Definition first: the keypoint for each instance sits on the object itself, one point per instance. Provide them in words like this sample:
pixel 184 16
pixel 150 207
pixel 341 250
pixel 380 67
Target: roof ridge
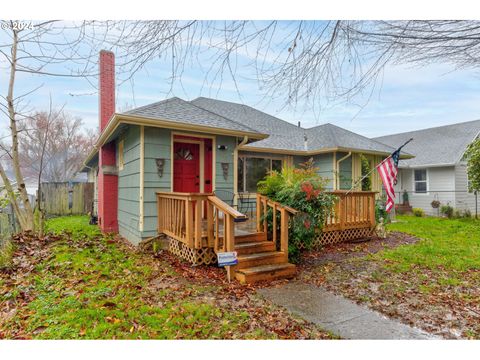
pixel 250 107
pixel 430 128
pixel 330 125
pixel 228 119
pixel 154 103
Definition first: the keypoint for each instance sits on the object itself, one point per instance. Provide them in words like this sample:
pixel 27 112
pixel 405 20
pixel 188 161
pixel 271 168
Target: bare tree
pixel 40 49
pixel 299 61
pixel 53 145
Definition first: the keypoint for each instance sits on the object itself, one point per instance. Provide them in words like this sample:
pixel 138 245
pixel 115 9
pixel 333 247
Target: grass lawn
pixel 450 244
pixel 79 284
pixel 433 284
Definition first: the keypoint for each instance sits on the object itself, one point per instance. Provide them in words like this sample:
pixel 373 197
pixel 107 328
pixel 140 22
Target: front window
pixel 253 169
pixel 420 180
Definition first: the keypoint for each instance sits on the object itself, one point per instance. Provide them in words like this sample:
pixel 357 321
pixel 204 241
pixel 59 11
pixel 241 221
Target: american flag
pixel 388 170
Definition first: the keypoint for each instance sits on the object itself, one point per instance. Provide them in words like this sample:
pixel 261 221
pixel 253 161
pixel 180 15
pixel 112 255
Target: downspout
pixel 235 169
pixel 337 177
pixel 243 142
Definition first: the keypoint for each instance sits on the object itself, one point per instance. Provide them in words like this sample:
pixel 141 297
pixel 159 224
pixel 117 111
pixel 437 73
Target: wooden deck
pixel 202 225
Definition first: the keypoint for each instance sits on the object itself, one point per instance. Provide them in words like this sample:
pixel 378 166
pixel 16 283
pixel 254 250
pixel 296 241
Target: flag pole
pixel 375 167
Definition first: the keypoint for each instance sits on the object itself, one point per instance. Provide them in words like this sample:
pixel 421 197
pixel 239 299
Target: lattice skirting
pixel 203 256
pixel 337 236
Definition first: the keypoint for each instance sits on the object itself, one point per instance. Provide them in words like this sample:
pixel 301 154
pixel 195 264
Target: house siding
pixel 157 142
pixel 464 200
pixel 157 145
pixel 129 186
pixel 344 171
pixel 224 157
pixel 324 163
pixel 440 186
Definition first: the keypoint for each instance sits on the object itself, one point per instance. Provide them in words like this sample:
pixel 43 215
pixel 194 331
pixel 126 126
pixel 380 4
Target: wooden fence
pixel 8 224
pixel 67 198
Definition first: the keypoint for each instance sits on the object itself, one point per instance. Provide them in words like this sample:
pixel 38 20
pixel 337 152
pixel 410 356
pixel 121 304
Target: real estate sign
pixel 227 258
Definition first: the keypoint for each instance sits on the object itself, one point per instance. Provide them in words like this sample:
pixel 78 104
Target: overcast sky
pixel 406 99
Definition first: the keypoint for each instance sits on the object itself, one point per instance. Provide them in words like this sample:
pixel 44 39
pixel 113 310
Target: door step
pixel 265 272
pixel 254 247
pixel 258 259
pixel 240 239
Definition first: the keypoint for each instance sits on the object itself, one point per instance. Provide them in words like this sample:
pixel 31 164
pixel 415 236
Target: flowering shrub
pixel 302 189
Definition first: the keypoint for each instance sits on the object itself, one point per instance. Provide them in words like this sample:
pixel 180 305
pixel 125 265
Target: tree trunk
pixel 25 213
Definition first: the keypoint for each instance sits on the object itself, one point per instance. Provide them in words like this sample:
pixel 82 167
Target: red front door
pixel 186 167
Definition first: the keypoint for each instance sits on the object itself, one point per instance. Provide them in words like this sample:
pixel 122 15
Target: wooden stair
pixel 258 260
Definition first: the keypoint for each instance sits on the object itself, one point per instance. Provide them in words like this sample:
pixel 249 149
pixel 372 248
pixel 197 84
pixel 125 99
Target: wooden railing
pixel 352 211
pixel 197 219
pixel 262 207
pixel 219 212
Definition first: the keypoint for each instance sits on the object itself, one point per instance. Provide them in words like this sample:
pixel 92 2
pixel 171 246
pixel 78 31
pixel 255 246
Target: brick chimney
pixel 107 172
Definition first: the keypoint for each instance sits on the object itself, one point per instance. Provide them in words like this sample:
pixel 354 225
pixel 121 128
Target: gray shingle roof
pixel 331 136
pixel 286 136
pixel 444 145
pixel 178 110
pixel 282 134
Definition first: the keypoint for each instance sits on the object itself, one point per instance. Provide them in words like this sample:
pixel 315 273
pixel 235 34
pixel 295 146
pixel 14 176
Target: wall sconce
pixel 160 164
pixel 225 167
pixel 222 147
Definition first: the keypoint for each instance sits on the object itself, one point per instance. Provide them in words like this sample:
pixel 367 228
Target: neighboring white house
pixel 438 171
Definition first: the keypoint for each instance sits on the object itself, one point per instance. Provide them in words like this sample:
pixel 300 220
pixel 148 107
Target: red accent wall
pixel 107 183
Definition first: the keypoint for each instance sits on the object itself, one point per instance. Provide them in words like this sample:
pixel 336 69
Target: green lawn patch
pixel 430 279
pixel 452 244
pixel 84 285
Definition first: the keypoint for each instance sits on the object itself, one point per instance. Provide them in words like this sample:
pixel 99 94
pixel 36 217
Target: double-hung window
pixel 420 181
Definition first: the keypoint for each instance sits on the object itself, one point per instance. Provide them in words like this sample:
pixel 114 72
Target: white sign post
pixel 227 259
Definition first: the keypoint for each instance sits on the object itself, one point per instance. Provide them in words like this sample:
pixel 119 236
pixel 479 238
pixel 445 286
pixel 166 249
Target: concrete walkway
pixel 339 315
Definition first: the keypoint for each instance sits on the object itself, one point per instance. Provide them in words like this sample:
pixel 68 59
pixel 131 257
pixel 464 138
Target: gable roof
pixel 437 146
pixel 181 111
pixel 288 137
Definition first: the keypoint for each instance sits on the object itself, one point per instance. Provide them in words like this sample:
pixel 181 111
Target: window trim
pixel 426 182
pixel 245 156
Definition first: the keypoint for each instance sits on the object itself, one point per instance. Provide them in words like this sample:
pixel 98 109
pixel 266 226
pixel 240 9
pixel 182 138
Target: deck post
pixel 229 239
pixel 159 215
pixel 284 232
pixel 265 212
pixel 341 211
pixel 189 222
pixel 372 210
pixel 210 227
pixel 274 211
pixel 259 213
pixel 198 223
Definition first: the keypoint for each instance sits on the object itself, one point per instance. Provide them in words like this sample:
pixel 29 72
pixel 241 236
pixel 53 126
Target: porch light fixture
pixel 160 164
pixel 225 167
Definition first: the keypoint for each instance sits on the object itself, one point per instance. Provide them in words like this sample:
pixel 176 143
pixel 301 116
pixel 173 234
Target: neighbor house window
pixel 253 169
pixel 420 180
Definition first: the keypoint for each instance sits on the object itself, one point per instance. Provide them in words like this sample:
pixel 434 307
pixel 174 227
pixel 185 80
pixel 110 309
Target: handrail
pixel 183 195
pixel 279 205
pixel 263 203
pixel 223 206
pixel 181 216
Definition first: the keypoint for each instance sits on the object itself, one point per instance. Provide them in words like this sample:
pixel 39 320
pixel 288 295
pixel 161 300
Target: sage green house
pixel 207 145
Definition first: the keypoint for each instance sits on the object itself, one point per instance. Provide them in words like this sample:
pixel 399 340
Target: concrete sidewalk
pixel 339 315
